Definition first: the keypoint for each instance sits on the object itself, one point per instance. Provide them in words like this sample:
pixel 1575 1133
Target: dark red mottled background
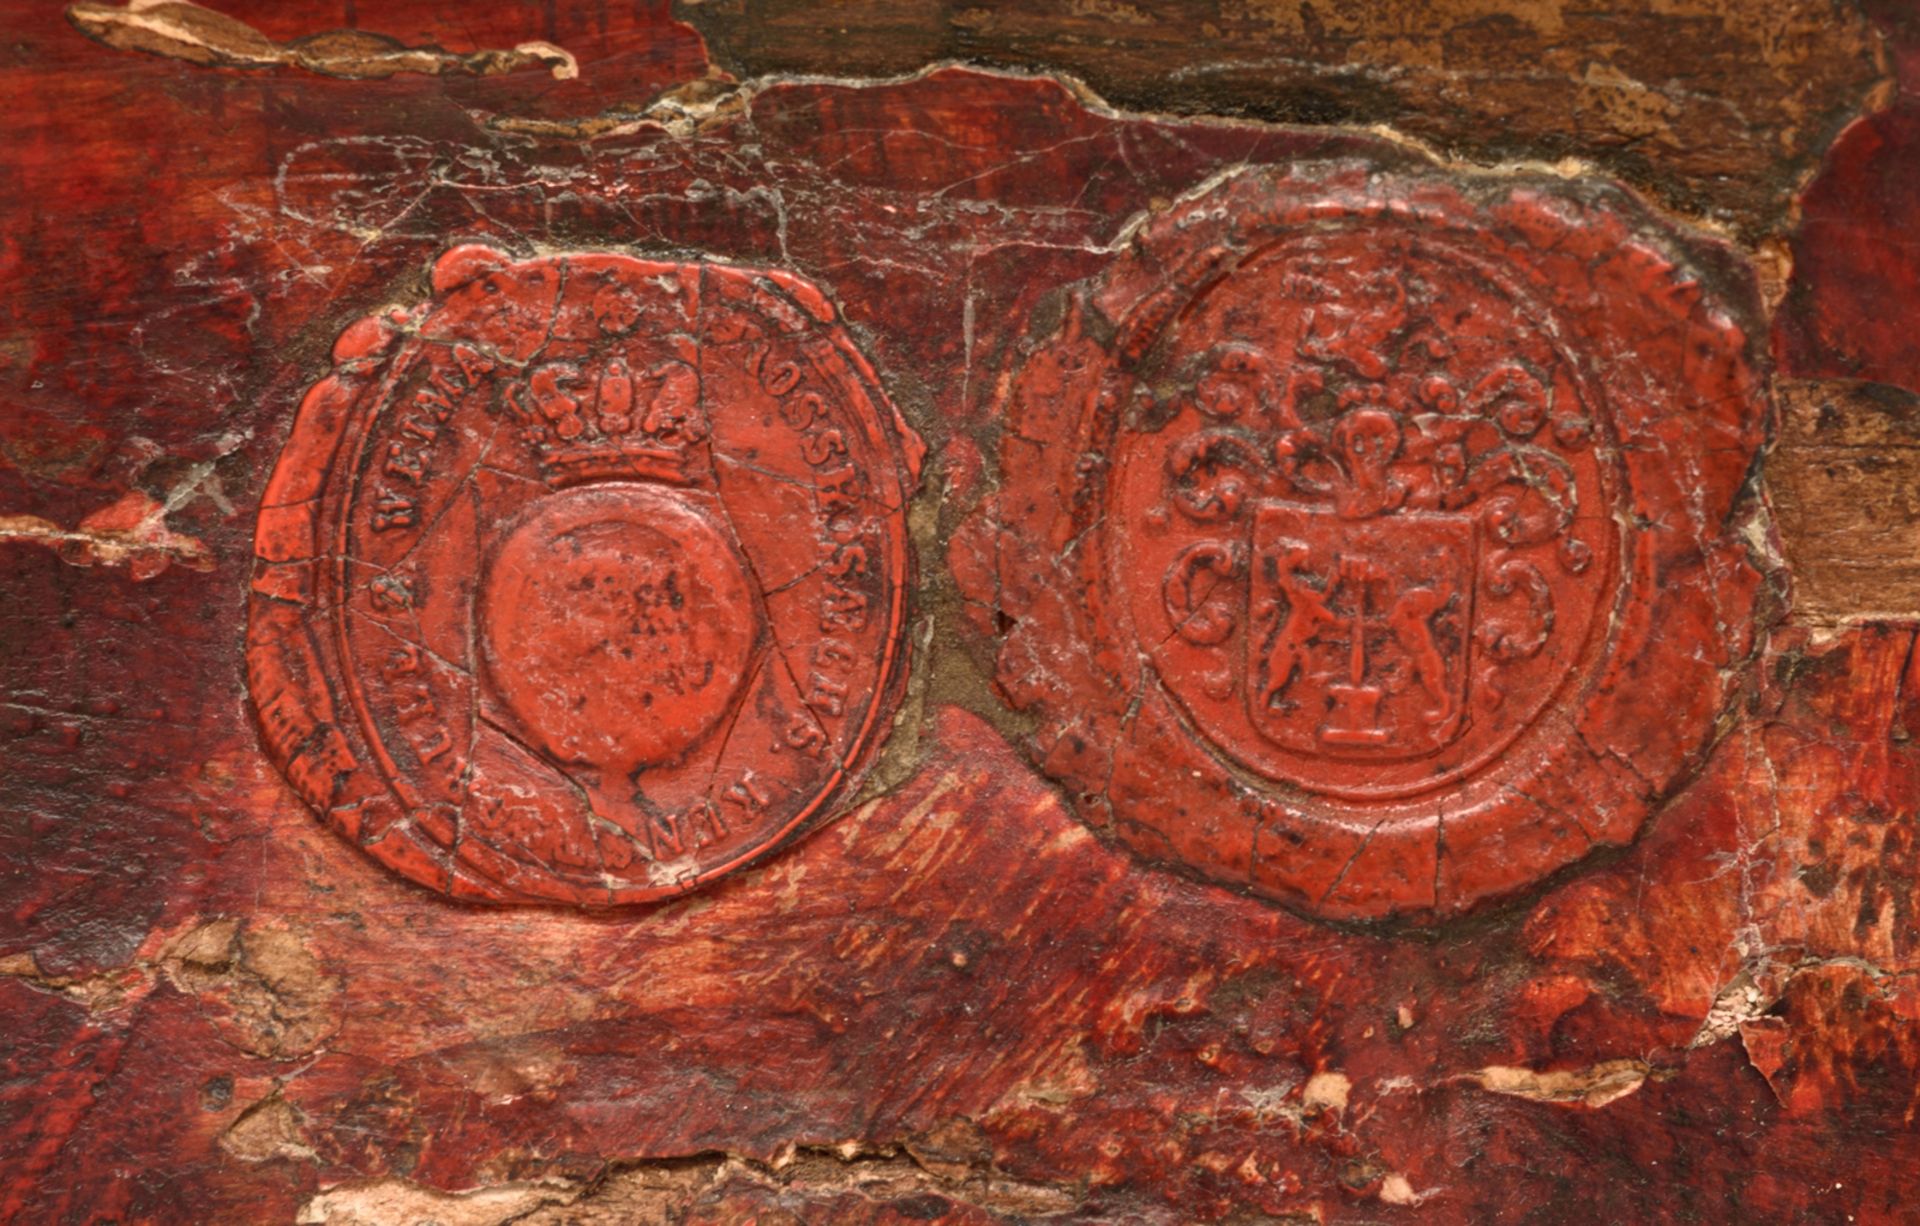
pixel 954 1003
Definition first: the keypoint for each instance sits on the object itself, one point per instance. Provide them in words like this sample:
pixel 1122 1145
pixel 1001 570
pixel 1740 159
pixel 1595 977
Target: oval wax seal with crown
pixel 584 581
pixel 1379 541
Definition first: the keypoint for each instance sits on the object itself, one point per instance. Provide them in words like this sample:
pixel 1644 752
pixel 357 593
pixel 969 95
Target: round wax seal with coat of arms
pixel 1377 541
pixel 584 581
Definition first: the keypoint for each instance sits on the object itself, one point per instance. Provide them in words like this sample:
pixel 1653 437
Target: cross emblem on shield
pixel 1362 630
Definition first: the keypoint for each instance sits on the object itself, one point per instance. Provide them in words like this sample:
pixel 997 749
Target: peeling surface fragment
pixel 1593 1086
pixel 810 1184
pixel 395 1201
pixel 106 990
pixel 683 112
pixel 267 993
pixel 270 1129
pixel 1766 1040
pixel 131 532
pixel 1326 1092
pixel 185 31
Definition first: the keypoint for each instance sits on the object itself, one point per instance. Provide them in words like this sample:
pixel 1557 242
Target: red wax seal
pixel 1375 541
pixel 583 582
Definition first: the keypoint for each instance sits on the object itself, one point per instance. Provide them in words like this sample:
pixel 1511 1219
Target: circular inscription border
pixel 584 581
pixel 1659 387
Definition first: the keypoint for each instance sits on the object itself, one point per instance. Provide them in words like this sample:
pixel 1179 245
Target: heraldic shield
pixel 1362 630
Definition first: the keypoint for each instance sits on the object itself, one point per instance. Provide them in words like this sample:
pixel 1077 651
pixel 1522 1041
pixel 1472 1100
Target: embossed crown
pixel 614 422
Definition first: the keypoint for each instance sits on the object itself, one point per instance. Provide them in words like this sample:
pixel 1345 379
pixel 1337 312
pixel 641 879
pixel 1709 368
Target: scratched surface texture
pixel 962 994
